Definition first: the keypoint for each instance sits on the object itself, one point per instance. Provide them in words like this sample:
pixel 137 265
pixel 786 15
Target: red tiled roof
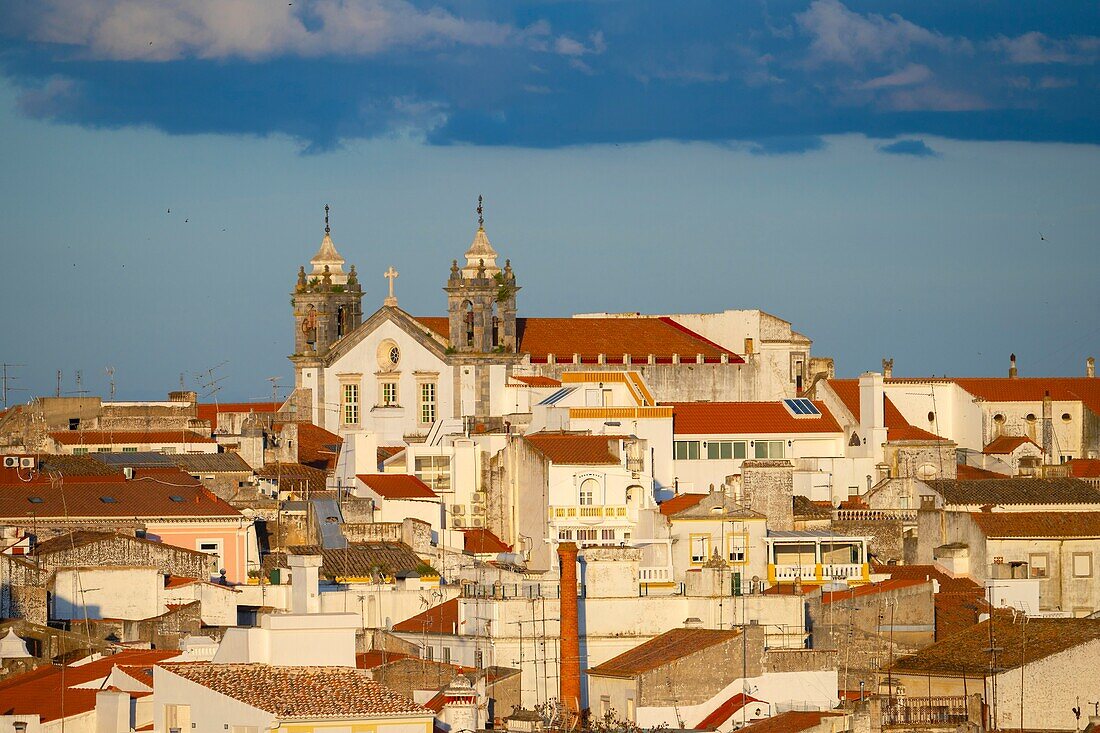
pixel 792 721
pixel 397 486
pixel 574 448
pixel 144 496
pixel 1006 444
pixel 966 472
pixel 664 649
pixel 294 477
pixel 612 337
pixel 1032 389
pixel 128 437
pixel 536 381
pixel 680 502
pixel 300 692
pixel 376 658
pixel 897 427
pixel 482 541
pixel 870 589
pixel 742 418
pixel 437 702
pixel 39 692
pixel 441 619
pixel 210 411
pixel 1084 467
pixel 724 711
pixel 317 447
pixel 1038 524
pixel 959 602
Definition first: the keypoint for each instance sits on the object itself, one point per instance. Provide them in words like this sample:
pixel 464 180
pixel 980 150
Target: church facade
pixel 398 375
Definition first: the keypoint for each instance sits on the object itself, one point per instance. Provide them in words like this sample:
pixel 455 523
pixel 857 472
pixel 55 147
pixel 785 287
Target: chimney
pixel 569 654
pixel 1012 366
pixel 1048 426
pixel 1090 367
pixel 872 401
pixel 304 593
pixel 887 368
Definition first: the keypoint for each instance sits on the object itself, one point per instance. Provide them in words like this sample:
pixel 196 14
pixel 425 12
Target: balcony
pixel 925 710
pixel 588 512
pixel 820 573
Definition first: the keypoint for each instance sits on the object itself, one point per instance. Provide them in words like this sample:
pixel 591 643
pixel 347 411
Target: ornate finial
pixel 454 269
pixel 353 277
pixel 480 213
pixel 507 269
pixel 327 230
pixel 481 268
pixel 326 281
pixel 302 278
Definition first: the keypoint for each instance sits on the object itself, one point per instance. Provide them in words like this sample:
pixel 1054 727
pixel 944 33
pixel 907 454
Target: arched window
pixel 586 494
pixel 469 321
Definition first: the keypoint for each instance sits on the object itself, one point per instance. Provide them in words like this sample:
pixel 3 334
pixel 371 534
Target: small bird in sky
pixel 186 220
pixel 1041 237
pixel 169 211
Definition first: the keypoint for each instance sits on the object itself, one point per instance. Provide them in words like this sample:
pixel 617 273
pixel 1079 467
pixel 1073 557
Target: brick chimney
pixel 1012 366
pixel 569 655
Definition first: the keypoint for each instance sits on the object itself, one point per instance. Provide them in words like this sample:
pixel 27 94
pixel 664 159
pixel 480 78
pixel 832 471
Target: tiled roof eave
pixel 355 716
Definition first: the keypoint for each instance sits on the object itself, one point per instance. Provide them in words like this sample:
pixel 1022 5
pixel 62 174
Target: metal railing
pixel 909 710
pixel 873 515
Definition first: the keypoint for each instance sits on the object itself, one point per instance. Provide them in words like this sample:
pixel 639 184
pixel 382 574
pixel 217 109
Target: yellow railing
pixel 587 512
pixel 619 413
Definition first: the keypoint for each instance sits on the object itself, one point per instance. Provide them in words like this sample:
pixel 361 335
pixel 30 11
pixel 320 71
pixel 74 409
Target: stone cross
pixel 391 275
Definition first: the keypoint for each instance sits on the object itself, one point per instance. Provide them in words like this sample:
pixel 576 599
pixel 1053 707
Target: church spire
pixel 481 258
pixel 328 258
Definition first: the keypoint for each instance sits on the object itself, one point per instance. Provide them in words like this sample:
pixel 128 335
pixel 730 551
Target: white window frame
pixel 349 403
pixel 427 403
pixel 697 558
pixel 687 450
pixel 1087 557
pixel 387 393
pixel 1032 568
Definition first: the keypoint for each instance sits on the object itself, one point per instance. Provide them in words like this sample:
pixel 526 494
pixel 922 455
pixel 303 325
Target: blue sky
pixel 877 173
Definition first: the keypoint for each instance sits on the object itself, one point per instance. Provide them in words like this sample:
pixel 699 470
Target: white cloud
pixel 845 37
pixel 910 75
pixel 253 29
pixel 567 46
pixel 1038 48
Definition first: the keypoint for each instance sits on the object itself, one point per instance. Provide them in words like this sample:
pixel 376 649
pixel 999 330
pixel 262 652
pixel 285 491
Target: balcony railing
pixel 655 575
pixel 925 710
pixel 588 511
pixel 821 573
pixel 875 515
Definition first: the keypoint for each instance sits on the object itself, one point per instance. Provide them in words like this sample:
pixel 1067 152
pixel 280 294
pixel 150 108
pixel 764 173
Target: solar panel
pixel 801 406
pixel 558 396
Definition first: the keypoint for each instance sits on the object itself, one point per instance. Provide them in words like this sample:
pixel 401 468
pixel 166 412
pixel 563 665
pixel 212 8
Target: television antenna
pixel 210 382
pixel 111 380
pixel 7 380
pixel 274 388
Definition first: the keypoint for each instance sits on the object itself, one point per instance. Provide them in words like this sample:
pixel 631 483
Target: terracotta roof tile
pixel 397 486
pixel 897 427
pixel 83 538
pixel 680 502
pixel 147 495
pixel 1015 491
pixel 664 649
pixel 301 692
pixel 376 658
pixel 536 381
pixel 295 477
pixel 744 418
pixel 317 447
pixel 482 541
pixel 967 652
pixel 1006 444
pixel 1038 524
pixel 574 448
pixel 612 337
pixel 357 560
pixel 40 691
pixel 958 602
pixel 1084 467
pixel 441 619
pixel 124 437
pixel 967 472
pixel 792 721
pixel 724 711
pixel 869 589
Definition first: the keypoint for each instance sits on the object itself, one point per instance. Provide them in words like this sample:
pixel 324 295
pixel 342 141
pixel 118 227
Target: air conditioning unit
pixel 479 497
pixel 128 472
pixel 27 462
pixel 477 509
pixel 11 461
pixel 478 522
pixel 458 509
pixel 458 522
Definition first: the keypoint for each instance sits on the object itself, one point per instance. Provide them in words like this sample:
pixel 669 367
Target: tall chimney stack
pixel 569 655
pixel 1012 366
pixel 887 368
pixel 1048 428
pixel 1090 367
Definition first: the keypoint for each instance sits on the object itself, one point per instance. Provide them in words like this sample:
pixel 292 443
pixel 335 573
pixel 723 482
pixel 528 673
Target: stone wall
pixel 769 489
pixel 886 535
pixel 121 550
pixel 682 382
pixel 695 678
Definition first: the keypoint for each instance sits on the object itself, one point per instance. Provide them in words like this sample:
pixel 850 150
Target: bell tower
pixel 481 299
pixel 326 303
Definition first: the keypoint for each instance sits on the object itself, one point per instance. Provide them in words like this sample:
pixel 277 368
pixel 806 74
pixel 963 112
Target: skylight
pixel 802 407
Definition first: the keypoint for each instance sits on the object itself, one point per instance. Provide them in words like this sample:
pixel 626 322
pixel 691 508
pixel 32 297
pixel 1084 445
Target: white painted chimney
pixel 365 452
pixel 305 595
